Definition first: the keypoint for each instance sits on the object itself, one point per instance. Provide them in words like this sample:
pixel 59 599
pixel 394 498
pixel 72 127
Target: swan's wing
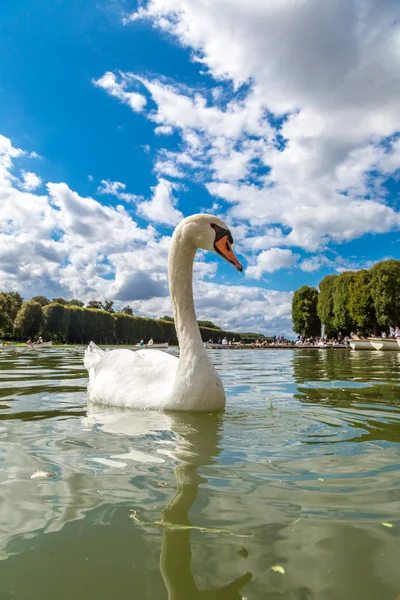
pixel 142 379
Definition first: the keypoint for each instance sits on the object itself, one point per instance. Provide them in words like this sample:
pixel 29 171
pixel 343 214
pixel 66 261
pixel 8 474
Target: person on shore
pixel 29 342
pixel 219 341
pixel 397 333
pixel 40 340
pixel 383 334
pixel 392 332
pixel 141 343
pixel 224 342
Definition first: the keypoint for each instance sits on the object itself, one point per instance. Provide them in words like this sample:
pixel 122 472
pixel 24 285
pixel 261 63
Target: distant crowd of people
pixel 393 333
pixel 302 340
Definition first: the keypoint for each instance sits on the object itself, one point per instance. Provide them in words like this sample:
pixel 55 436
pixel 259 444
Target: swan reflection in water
pixel 197 445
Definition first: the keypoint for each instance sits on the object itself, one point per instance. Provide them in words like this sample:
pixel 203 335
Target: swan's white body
pixel 152 379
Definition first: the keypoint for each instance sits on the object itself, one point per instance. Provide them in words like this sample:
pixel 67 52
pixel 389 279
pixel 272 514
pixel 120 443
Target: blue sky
pixel 282 118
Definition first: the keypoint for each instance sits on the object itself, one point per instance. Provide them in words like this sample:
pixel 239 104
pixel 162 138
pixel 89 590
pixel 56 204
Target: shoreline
pixel 225 347
pixel 282 347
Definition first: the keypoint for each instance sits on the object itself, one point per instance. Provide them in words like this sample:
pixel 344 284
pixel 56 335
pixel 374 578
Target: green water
pixel 309 482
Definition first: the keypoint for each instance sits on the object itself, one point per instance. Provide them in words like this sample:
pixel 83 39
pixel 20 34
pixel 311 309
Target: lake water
pixel 304 464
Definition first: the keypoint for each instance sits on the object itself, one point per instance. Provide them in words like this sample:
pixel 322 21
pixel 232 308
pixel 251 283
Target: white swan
pixel 152 379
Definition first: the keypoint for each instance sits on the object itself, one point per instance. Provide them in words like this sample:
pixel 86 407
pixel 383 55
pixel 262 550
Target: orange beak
pixel 224 248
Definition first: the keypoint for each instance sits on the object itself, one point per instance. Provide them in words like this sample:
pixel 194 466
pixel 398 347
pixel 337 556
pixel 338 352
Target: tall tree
pixel 167 318
pixel 10 303
pixel 342 320
pixel 127 310
pixel 76 302
pixel 95 304
pixel 42 300
pixel 360 304
pixel 6 325
pixel 385 292
pixel 29 320
pixel 304 312
pixel 108 306
pixel 325 304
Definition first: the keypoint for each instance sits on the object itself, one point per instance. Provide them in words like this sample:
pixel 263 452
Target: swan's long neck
pixel 180 268
pixel 197 385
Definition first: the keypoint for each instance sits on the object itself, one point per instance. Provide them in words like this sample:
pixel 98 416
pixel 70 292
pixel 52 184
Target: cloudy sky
pixel 119 118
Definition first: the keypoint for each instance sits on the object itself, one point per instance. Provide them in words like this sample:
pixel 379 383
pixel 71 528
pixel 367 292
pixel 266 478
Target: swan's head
pixel 210 233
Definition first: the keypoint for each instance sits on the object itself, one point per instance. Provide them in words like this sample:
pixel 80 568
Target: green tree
pixel 6 325
pixel 304 312
pixel 56 321
pixel 108 306
pixel 16 303
pixel 325 304
pixel 60 301
pixel 208 324
pixel 360 304
pixel 167 318
pixel 42 300
pixel 342 320
pixel 96 304
pixel 385 292
pixel 127 310
pixel 76 302
pixel 10 303
pixel 29 320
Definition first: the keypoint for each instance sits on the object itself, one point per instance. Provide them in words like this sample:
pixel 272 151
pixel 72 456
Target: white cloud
pixel 270 261
pixel 233 307
pixel 310 65
pixel 163 130
pixel 116 188
pixel 309 265
pixel 68 245
pixel 300 186
pixel 244 308
pixel 160 208
pixel 30 181
pixel 117 89
pixel 167 166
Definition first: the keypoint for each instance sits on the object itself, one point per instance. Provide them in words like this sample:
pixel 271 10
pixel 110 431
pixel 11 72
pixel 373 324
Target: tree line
pixel 365 301
pixel 70 321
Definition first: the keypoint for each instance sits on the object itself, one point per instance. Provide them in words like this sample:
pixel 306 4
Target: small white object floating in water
pixel 43 475
pixel 278 569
